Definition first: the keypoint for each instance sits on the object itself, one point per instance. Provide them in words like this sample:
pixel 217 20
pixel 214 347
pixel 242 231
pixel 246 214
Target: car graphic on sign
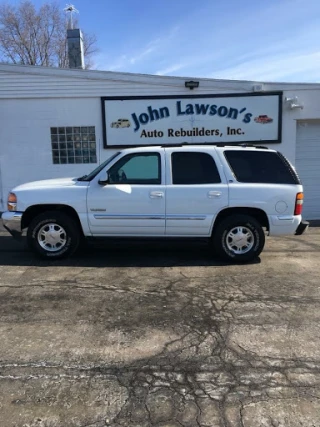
pixel 263 119
pixel 121 123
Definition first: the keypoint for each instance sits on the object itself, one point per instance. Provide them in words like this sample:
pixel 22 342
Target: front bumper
pixel 302 227
pixel 12 223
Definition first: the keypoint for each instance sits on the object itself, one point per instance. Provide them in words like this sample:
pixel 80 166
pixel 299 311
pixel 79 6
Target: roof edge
pixel 132 77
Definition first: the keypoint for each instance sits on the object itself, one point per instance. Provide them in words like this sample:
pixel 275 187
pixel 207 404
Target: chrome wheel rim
pixel 52 237
pixel 240 240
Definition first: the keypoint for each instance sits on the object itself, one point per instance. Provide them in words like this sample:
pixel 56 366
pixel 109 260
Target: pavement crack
pixel 241 409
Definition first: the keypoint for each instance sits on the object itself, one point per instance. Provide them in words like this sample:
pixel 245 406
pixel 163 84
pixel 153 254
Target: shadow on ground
pixel 117 254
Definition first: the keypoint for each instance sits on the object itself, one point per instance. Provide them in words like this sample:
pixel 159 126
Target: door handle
pixel 156 195
pixel 214 194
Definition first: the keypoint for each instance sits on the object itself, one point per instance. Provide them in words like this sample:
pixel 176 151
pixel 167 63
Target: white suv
pixel 229 195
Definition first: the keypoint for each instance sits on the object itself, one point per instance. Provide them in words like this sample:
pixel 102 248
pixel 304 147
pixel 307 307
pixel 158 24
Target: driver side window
pixel 142 168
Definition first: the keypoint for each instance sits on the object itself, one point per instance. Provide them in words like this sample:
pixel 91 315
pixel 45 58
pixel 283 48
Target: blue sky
pixel 273 40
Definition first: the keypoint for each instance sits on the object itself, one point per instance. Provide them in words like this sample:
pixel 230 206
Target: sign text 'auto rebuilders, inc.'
pixel 195 120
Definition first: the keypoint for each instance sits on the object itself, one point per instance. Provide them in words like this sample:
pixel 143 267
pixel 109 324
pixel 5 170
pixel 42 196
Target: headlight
pixel 12 202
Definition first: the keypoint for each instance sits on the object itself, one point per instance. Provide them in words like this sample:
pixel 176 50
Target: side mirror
pixel 104 181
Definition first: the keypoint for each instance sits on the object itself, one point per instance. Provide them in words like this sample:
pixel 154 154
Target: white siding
pixel 35 82
pixel 308 165
pixel 17 81
pixel 26 141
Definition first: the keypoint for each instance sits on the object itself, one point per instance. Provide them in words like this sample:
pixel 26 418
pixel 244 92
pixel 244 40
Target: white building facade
pixel 58 122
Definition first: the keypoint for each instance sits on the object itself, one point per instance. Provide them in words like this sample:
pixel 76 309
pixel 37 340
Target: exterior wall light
pixel 191 84
pixel 258 87
pixel 294 103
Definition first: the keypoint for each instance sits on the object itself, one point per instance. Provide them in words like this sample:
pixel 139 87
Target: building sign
pixel 137 121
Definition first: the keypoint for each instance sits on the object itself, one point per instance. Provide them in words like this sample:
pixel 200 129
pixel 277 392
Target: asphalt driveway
pixel 161 335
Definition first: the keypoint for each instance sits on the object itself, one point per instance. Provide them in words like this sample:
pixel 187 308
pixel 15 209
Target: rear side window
pixel 261 166
pixel 194 168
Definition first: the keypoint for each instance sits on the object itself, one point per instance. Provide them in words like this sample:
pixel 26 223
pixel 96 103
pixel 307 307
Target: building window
pixel 73 145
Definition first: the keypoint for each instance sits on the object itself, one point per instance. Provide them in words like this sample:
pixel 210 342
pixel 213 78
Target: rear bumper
pixel 302 227
pixel 12 223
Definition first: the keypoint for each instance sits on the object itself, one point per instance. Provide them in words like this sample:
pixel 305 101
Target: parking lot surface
pixel 158 334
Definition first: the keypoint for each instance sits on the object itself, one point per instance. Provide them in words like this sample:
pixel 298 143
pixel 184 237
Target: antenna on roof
pixel 70 8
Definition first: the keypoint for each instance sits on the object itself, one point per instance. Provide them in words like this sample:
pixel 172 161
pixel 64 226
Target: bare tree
pixel 32 37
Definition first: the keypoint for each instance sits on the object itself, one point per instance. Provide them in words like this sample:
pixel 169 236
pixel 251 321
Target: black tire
pixel 229 248
pixel 58 224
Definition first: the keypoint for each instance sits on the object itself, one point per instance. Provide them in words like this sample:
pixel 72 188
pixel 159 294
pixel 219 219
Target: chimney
pixel 75 48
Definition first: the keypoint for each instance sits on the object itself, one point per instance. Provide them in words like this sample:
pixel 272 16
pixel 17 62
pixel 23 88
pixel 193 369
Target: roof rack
pixel 254 146
pixel 175 145
pixel 216 144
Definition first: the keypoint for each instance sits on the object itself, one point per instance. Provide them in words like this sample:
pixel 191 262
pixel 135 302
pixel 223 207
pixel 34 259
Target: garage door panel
pixel 314 144
pixel 306 159
pixel 310 173
pixel 312 201
pixel 307 156
pixel 310 189
pixel 308 165
pixel 312 163
pixel 309 176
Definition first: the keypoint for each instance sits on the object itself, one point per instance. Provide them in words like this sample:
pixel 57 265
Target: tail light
pixel 299 204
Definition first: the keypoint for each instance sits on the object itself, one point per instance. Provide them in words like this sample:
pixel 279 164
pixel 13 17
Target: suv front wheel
pixel 53 235
pixel 238 238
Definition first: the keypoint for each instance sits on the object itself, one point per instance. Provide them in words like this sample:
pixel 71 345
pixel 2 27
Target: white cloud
pixel 271 68
pixel 272 42
pixel 139 56
pixel 170 69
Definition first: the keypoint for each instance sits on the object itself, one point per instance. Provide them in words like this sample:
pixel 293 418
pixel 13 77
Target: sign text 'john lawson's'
pixel 192 119
pixel 153 114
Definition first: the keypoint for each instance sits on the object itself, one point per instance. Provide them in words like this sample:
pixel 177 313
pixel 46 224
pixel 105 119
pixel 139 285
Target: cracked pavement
pixel 158 334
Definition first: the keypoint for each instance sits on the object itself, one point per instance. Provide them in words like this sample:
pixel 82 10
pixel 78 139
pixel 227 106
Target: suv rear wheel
pixel 53 235
pixel 238 238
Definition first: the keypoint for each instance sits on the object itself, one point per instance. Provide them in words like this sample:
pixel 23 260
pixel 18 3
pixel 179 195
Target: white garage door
pixel 308 165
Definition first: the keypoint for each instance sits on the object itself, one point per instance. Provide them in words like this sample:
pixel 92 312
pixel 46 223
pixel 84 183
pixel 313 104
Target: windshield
pixel 95 172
